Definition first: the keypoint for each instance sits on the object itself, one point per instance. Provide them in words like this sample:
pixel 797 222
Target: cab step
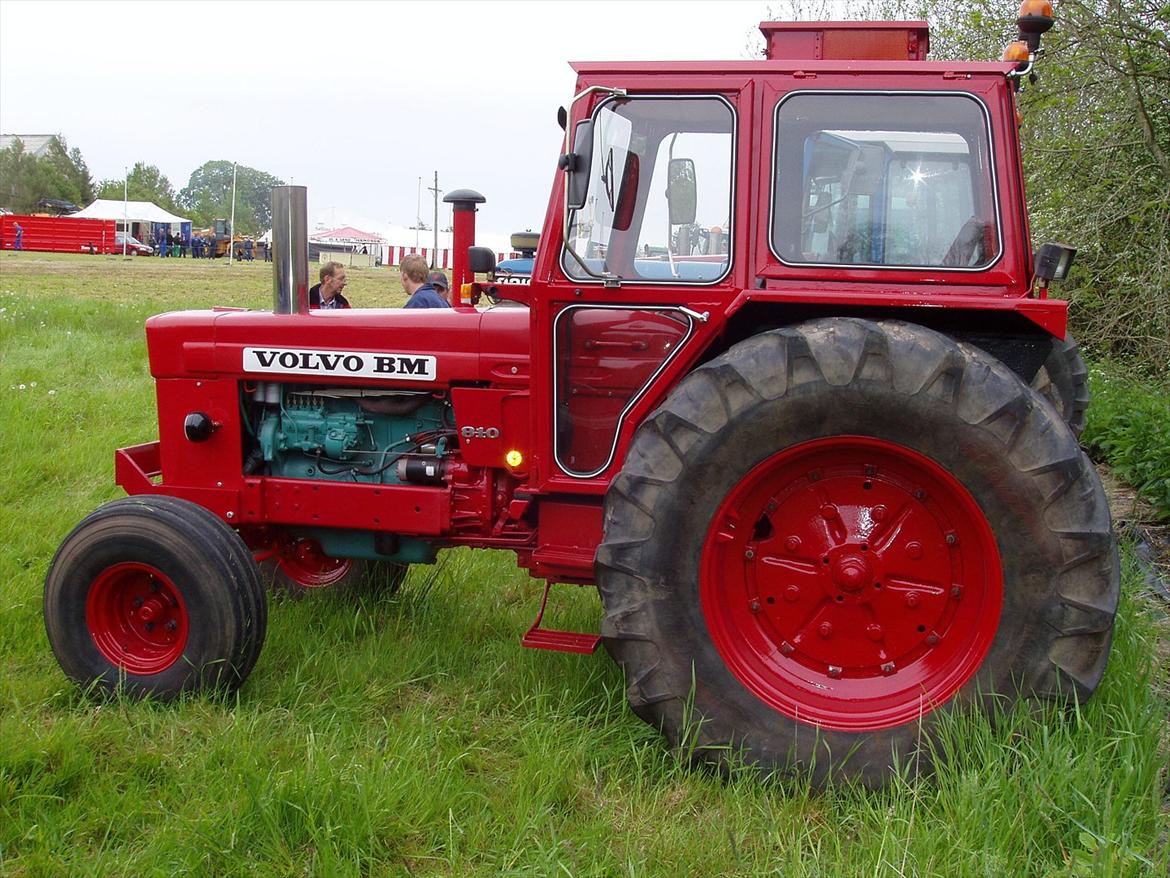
pixel 555 639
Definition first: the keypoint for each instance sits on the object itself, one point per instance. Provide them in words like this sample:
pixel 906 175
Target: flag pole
pixel 125 210
pixel 232 221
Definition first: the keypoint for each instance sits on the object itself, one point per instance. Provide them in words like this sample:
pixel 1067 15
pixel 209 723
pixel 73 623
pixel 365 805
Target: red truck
pixel 769 389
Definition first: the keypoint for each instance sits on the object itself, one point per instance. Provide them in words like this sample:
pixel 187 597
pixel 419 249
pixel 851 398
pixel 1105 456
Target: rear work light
pixel 1053 262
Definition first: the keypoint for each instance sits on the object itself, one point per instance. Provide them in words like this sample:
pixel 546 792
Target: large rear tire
pixel 1064 381
pixel 835 531
pixel 157 596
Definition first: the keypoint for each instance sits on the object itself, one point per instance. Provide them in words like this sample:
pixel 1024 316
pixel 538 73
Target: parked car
pixel 133 245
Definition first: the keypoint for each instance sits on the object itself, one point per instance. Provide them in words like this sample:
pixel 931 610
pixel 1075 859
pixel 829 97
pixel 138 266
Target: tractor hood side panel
pixel 200 359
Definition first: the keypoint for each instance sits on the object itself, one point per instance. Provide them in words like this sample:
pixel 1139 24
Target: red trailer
pixel 58 234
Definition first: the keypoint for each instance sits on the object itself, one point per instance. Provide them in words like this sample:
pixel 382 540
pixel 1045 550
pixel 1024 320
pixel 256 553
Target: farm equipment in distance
pixel 218 234
pixel 820 462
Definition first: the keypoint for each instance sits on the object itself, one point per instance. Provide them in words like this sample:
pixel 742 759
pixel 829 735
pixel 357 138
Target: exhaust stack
pixel 290 250
pixel 463 203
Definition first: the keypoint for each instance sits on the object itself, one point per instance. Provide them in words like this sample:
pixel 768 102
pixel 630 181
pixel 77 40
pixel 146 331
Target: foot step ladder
pixel 558 641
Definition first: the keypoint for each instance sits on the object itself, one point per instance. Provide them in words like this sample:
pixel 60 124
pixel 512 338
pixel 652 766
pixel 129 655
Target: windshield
pixel 884 180
pixel 658 206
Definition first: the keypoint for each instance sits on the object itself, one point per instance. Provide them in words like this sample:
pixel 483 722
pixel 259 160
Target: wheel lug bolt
pixel 914 550
pixel 878 513
pixel 828 512
pixel 148 626
pixel 749 554
pixel 951 539
pixel 787 648
pixel 792 543
pixel 137 603
pixel 932 639
pixel 792 594
pixel 956 591
pixel 888 668
pixel 755 606
pixel 912 599
pixel 826 630
pixel 834 671
pixel 919 494
pixel 874 631
pixel 172 625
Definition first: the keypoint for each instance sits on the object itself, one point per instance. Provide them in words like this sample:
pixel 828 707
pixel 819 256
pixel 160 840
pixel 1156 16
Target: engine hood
pixel 409 348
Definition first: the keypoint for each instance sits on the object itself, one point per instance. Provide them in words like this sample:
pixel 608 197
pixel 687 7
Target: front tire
pixel 835 531
pixel 157 596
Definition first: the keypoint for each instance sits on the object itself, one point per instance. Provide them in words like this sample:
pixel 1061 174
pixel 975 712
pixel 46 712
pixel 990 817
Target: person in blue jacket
pixel 414 281
pixel 18 244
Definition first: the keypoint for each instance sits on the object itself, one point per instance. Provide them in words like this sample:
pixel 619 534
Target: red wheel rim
pixel 305 564
pixel 851 583
pixel 137 618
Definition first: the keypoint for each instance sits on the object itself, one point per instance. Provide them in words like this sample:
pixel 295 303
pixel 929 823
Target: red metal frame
pixel 499 365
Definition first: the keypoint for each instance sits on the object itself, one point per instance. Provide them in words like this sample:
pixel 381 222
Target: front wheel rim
pixel 137 618
pixel 851 583
pixel 304 563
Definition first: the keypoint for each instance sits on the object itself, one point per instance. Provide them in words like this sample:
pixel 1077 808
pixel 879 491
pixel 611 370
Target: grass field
pixel 410 735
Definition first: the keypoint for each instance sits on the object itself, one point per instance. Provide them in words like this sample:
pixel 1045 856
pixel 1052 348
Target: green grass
pixel 1128 426
pixel 410 735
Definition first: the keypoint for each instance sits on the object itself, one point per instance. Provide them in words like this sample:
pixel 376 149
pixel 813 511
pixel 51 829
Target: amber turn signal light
pixel 1036 9
pixel 1016 51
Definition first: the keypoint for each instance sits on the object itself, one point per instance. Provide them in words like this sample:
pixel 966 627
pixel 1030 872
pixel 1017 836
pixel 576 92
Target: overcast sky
pixel 355 101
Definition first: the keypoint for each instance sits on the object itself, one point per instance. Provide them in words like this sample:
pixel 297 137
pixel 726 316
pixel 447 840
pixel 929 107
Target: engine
pixel 349 434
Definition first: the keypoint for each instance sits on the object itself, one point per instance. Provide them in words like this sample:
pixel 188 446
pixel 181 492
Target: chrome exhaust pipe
pixel 290 250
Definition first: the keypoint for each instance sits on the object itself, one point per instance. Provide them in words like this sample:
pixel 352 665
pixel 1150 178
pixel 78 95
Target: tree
pixel 60 173
pixel 208 195
pixel 144 183
pixel 1096 141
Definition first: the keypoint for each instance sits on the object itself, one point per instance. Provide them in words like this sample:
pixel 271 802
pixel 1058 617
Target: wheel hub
pixel 137 618
pixel 850 570
pixel 851 582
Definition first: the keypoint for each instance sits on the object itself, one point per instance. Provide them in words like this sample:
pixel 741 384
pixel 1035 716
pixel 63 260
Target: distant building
pixel 36 145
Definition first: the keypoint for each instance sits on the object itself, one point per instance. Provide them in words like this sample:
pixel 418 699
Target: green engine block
pixel 316 433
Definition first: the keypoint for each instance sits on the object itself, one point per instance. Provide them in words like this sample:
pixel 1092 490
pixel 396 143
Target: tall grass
pixel 1128 426
pixel 410 735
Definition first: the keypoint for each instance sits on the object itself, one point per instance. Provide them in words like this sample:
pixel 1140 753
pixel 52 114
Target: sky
pixel 354 100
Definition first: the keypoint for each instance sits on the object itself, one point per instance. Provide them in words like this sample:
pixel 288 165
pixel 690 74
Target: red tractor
pixel 770 389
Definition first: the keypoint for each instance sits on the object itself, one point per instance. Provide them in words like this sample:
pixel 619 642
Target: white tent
pixel 134 211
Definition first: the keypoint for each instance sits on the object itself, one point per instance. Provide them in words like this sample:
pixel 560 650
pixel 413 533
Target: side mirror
pixel 481 260
pixel 563 118
pixel 577 165
pixel 681 191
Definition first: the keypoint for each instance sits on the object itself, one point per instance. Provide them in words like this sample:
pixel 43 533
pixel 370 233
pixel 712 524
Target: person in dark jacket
pixel 414 281
pixel 438 280
pixel 327 294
